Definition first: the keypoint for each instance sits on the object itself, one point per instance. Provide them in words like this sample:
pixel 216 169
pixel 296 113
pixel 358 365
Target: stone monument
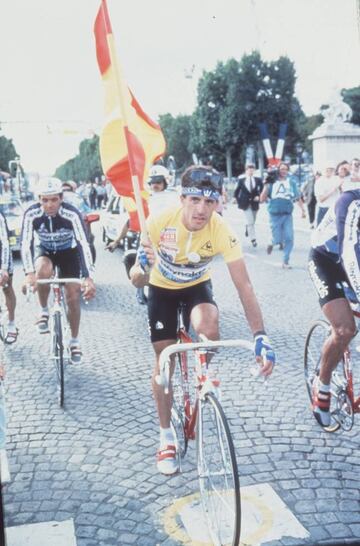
pixel 336 139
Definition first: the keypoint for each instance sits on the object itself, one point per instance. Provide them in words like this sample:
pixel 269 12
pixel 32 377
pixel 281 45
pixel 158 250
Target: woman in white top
pixel 327 191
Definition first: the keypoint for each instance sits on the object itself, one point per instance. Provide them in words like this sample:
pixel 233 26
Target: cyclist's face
pixel 197 211
pixel 51 203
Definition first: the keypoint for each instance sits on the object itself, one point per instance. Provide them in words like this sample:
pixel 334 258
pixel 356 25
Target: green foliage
pixel 235 98
pixel 86 165
pixel 352 97
pixel 177 135
pixel 7 153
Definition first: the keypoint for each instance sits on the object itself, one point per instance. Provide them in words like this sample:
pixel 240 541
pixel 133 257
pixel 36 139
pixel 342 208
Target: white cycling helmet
pixel 49 186
pixel 159 170
pixel 158 173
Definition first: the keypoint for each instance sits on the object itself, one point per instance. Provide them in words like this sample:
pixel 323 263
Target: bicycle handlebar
pixel 59 281
pixel 163 378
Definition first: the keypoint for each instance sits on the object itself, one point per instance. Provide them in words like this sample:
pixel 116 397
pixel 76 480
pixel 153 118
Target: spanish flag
pixel 130 141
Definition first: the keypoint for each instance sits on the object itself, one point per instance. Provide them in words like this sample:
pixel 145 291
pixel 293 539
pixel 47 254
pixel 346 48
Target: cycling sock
pixel 45 310
pixel 166 436
pixel 11 326
pixel 74 341
pixel 323 387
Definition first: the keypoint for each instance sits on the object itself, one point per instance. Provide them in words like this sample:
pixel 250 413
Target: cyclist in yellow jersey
pixel 182 243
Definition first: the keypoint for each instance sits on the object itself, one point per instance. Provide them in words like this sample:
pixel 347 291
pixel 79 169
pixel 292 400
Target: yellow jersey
pixel 183 257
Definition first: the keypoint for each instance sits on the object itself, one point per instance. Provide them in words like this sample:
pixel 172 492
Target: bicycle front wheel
pixel 317 335
pixel 218 473
pixel 178 407
pixel 58 356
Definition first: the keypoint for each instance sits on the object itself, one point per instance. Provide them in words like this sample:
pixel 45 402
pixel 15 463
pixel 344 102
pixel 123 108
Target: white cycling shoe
pixel 167 462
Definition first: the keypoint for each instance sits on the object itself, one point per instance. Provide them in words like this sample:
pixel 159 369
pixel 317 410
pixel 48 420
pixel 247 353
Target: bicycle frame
pixel 203 383
pixel 348 370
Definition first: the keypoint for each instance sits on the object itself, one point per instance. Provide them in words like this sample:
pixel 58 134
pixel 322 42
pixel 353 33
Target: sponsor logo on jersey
pixel 207 246
pixel 233 241
pixel 168 236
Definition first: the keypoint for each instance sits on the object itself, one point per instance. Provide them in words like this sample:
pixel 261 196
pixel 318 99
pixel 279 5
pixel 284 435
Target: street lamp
pixel 299 151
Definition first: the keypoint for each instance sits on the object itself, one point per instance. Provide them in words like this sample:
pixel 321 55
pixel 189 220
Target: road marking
pixel 265 517
pixel 50 533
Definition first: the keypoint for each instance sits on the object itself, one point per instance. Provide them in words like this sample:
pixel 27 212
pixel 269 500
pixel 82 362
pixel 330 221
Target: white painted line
pixel 265 517
pixel 51 533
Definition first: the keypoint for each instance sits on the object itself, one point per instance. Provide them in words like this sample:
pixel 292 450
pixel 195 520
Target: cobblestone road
pixel 94 462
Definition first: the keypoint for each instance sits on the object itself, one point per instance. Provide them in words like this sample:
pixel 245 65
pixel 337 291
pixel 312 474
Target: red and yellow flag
pixel 130 141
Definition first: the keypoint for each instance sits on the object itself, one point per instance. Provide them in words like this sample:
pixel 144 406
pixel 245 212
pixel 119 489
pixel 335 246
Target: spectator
pixel 92 195
pixel 281 191
pixel 350 175
pixel 247 195
pixel 100 194
pixel 327 191
pixel 308 196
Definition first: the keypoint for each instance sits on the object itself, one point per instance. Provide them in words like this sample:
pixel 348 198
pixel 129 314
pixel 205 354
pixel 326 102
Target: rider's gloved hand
pixel 143 259
pixel 264 353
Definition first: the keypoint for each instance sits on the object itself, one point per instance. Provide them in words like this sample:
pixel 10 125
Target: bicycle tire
pixel 178 408
pixel 2 326
pixel 218 473
pixel 318 333
pixel 2 518
pixel 58 348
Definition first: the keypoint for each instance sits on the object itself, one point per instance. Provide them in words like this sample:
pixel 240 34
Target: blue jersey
pixel 56 233
pixel 337 236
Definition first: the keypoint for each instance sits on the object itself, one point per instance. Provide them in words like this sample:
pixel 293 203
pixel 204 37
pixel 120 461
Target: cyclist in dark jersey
pixel 53 234
pixel 6 274
pixel 335 259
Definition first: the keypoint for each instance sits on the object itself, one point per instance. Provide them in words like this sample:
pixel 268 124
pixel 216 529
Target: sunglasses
pixel 201 177
pixel 156 180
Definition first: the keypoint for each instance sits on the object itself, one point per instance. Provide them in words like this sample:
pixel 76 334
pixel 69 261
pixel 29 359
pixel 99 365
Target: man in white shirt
pixel 327 191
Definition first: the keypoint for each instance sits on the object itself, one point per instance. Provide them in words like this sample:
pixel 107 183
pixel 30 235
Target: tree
pixel 352 97
pixel 177 135
pixel 235 97
pixel 7 153
pixel 86 165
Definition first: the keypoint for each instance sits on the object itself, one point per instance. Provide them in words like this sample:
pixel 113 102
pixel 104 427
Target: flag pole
pixel 121 90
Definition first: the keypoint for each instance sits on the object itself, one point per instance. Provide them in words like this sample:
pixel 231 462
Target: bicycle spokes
pixel 218 477
pixel 343 411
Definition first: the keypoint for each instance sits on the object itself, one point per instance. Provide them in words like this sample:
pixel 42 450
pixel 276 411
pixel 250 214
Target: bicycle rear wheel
pixel 2 518
pixel 178 407
pixel 58 355
pixel 218 473
pixel 2 326
pixel 317 335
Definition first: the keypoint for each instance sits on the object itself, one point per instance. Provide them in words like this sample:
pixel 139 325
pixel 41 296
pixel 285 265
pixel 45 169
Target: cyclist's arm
pixel 138 276
pixel 240 278
pixel 347 211
pixel 27 237
pixel 86 261
pixel 5 251
pixel 250 304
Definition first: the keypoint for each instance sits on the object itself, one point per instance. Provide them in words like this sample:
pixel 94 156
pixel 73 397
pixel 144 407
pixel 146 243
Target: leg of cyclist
pixel 10 299
pixel 204 318
pixel 69 267
pixel 72 292
pixel 44 270
pixel 343 328
pixel 166 456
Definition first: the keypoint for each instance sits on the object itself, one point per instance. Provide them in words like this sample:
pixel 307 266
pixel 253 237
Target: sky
pixel 51 94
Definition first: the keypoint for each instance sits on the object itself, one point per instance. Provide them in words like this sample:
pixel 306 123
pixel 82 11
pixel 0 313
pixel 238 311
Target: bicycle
pixel 202 418
pixel 59 328
pixel 344 404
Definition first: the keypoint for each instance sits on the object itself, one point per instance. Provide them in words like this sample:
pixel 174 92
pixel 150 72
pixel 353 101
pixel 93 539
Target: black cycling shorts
pixel 163 305
pixel 68 261
pixel 327 276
